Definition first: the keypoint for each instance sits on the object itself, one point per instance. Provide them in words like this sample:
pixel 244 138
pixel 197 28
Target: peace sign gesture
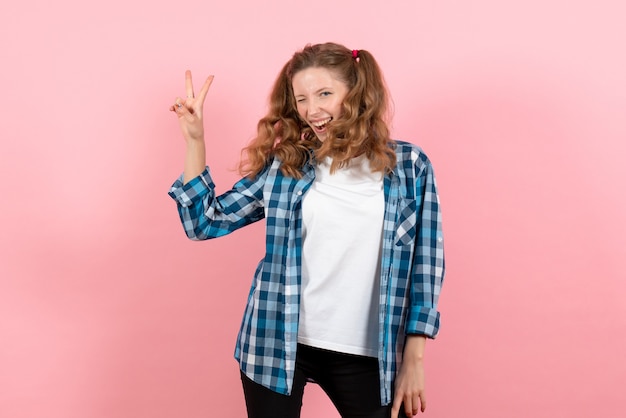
pixel 189 110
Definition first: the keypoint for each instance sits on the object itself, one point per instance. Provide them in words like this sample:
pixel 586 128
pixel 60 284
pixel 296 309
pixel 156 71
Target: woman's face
pixel 319 95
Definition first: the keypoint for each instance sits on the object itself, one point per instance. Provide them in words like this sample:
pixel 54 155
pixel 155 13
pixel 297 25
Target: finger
pixel 395 408
pixel 205 89
pixel 423 402
pixel 415 401
pixel 408 407
pixel 188 84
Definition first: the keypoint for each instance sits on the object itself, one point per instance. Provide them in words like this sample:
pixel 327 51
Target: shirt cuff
pixel 423 320
pixel 198 187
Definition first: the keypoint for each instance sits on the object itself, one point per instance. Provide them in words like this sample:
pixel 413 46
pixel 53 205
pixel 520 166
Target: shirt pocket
pixel 407 222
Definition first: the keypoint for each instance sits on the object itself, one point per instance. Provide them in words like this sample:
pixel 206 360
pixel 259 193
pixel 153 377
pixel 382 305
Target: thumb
pixel 181 109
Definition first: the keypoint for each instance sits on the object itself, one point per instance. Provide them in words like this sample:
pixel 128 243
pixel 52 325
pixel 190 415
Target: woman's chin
pixel 321 136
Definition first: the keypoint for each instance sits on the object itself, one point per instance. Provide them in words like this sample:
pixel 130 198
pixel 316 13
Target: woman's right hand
pixel 189 110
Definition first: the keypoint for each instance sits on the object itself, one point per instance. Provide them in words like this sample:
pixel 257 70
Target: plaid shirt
pixel 412 264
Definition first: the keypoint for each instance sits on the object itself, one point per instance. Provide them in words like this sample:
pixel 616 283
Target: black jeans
pixel 351 382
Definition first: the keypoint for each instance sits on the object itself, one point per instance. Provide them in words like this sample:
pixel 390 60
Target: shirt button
pixel 440 239
pixel 299 193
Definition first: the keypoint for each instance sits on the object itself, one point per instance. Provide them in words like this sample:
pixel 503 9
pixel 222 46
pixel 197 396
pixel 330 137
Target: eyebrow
pixel 315 92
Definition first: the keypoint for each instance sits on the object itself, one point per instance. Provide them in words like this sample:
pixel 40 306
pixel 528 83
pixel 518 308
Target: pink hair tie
pixel 355 53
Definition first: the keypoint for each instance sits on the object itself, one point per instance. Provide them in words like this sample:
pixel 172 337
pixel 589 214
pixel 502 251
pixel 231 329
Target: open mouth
pixel 320 126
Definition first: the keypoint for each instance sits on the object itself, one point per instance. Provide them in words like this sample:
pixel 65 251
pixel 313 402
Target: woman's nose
pixel 313 107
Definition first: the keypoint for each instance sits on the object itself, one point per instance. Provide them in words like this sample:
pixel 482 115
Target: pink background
pixel 107 310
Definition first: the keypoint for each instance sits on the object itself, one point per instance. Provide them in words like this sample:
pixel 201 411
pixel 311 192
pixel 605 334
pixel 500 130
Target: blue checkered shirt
pixel 412 264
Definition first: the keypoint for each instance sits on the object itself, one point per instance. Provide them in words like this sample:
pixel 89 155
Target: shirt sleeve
pixel 428 258
pixel 205 215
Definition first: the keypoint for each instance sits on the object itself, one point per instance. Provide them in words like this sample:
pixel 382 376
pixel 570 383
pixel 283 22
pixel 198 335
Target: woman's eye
pixel 299 100
pixel 326 93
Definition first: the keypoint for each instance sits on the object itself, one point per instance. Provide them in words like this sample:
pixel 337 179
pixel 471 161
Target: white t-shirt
pixel 342 235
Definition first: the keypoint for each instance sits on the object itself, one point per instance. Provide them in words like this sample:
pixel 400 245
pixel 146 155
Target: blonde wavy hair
pixel 361 129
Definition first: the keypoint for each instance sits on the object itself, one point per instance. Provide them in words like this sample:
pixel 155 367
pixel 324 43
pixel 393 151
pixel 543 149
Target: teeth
pixel 320 124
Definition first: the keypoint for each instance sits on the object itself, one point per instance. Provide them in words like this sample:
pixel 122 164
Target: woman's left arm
pixel 427 274
pixel 428 266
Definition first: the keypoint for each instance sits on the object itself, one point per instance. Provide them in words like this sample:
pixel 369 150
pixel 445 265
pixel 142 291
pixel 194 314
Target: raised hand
pixel 189 110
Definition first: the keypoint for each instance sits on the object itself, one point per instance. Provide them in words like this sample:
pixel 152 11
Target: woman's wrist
pixel 414 348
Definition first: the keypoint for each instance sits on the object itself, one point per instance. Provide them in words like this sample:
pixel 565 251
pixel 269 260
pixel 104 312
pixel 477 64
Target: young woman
pixel 346 294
